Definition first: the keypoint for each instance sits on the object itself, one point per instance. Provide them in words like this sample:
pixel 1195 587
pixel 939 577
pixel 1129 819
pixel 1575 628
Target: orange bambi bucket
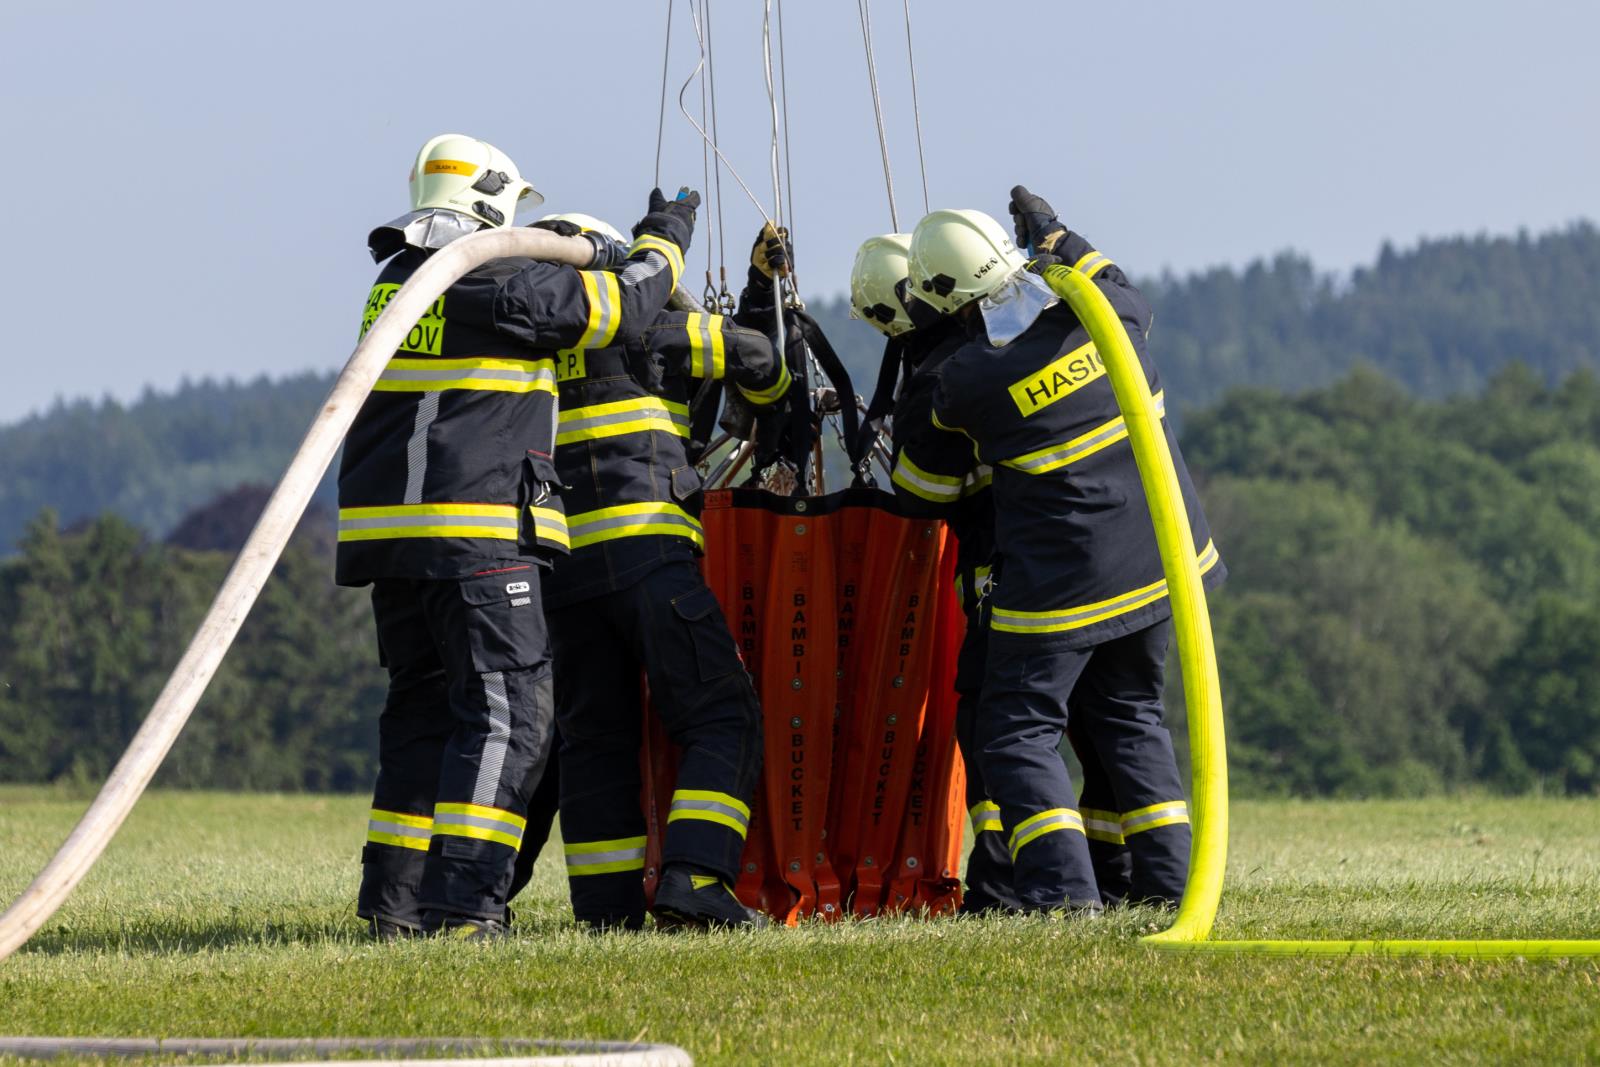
pixel 844 610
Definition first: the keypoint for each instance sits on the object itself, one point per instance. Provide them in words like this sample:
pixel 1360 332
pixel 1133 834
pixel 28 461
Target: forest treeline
pixel 1441 319
pixel 1414 606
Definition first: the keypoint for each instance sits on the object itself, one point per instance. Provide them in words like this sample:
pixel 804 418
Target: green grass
pixel 217 915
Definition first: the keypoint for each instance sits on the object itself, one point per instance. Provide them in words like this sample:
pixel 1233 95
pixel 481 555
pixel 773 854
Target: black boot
pixel 462 927
pixel 685 898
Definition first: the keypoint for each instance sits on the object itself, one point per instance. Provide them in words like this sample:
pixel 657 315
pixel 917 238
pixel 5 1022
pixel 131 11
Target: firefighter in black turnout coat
pixel 448 509
pixel 1079 622
pixel 936 471
pixel 631 598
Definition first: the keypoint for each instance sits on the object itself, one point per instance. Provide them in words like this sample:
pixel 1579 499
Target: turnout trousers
pixel 1032 689
pixel 988 874
pixel 463 742
pixel 668 625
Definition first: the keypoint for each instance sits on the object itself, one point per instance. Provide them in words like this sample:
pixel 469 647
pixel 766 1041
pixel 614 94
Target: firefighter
pixel 631 598
pixel 936 470
pixel 1080 623
pixel 447 508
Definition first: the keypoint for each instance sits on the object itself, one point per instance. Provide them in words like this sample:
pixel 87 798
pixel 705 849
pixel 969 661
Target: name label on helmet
pixel 427 336
pixel 1060 378
pixel 448 166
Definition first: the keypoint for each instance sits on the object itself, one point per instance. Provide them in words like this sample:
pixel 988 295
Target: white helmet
pixel 473 177
pixel 959 256
pixel 876 281
pixel 588 224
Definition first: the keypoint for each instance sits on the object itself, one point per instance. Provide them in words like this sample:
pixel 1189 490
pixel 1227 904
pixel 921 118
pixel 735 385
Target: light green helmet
pixel 960 256
pixel 588 224
pixel 876 281
pixel 473 177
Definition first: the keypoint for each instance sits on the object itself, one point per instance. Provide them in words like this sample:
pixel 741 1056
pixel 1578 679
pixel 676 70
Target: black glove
pixel 1034 220
pixel 772 253
pixel 1044 259
pixel 672 219
pixel 563 227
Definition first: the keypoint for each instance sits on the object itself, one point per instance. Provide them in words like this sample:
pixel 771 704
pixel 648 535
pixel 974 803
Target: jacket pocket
pixel 685 483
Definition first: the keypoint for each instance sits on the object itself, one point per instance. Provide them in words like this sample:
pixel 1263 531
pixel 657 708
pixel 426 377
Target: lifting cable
pixel 661 117
pixel 864 9
pixel 916 108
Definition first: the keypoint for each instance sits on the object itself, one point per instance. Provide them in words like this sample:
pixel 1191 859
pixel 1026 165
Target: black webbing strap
pixel 833 367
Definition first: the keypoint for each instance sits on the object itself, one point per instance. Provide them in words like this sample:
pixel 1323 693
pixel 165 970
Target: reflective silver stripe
pixel 1104 826
pixel 1067 820
pixel 497 519
pixel 379 826
pixel 494 374
pixel 904 475
pixel 592 859
pixel 504 826
pixel 711 805
pixel 494 746
pixel 576 421
pixel 1080 447
pixel 637 271
pixel 1060 617
pixel 578 528
pixel 1165 811
pixel 417 447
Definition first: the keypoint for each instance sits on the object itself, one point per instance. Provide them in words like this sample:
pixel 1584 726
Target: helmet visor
pixel 1014 306
pixel 527 206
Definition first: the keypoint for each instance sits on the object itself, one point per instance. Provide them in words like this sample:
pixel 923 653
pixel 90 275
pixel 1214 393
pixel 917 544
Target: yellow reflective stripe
pixel 709 805
pixel 939 488
pixel 1092 263
pixel 1054 457
pixel 550 525
pixel 633 520
pixel 399 829
pixel 480 822
pixel 405 375
pixel 985 816
pixel 1042 622
pixel 981 478
pixel 708 354
pixel 604 857
pixel 1046 822
pixel 1168 813
pixel 605 308
pixel 772 393
pixel 671 252
pixel 621 417
pixel 1102 825
pixel 493 521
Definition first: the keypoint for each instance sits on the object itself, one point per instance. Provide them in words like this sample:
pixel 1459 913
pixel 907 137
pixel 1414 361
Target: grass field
pixel 219 915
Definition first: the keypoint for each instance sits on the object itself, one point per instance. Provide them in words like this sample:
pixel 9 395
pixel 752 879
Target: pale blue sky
pixel 189 186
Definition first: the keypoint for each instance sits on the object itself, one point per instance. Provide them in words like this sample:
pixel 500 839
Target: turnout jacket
pixel 450 461
pixel 936 469
pixel 632 495
pixel 1074 538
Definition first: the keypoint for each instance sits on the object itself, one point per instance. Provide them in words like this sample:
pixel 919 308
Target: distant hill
pixel 1440 319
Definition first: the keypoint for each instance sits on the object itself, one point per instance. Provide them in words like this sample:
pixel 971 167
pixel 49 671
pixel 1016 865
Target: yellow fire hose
pixel 1191 931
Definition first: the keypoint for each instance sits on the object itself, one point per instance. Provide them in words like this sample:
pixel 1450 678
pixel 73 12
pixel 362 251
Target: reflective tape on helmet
pixel 399 829
pixel 605 308
pixel 710 806
pixel 665 248
pixel 638 415
pixel 1168 813
pixel 985 817
pixel 404 375
pixel 1054 457
pixel 707 351
pixel 604 857
pixel 492 521
pixel 479 822
pixel 939 488
pixel 1046 822
pixel 1042 622
pixel 634 520
pixel 1102 825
